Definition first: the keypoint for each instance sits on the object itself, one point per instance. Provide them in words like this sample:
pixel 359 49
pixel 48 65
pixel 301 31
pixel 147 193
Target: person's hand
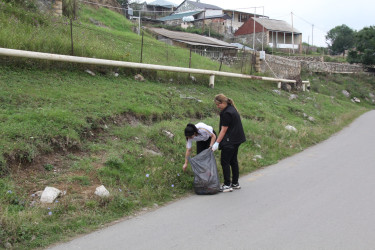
pixel 184 167
pixel 215 146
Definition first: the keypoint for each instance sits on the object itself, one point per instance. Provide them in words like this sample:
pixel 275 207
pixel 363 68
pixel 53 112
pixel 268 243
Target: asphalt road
pixel 321 198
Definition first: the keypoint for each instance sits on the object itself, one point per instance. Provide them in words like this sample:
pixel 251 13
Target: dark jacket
pixel 230 118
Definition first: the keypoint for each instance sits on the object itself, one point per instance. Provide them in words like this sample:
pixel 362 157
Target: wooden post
pixel 279 85
pixel 212 81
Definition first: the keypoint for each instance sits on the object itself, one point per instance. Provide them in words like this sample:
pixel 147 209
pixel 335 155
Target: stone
pixel 169 134
pixel 286 87
pixel 345 93
pixel 49 195
pixel 355 99
pixel 152 152
pixel 7 245
pixel 293 96
pixel 190 98
pixel 277 91
pixel 311 119
pixel 101 191
pixel 257 157
pixel 139 77
pixel 90 72
pixel 193 79
pixel 371 95
pixel 290 128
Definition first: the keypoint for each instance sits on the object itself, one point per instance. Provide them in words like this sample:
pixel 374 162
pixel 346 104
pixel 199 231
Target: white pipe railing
pixel 95 61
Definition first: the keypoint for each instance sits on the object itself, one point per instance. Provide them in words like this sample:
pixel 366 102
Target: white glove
pixel 215 146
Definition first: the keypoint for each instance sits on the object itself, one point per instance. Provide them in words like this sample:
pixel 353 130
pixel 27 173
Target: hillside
pixel 63 127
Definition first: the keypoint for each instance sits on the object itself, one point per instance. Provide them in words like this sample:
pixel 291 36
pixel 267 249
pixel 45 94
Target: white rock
pixel 169 134
pixel 90 72
pixel 49 195
pixel 257 157
pixel 293 96
pixel 311 119
pixel 277 91
pixel 139 77
pixel 345 93
pixel 290 128
pixel 355 99
pixel 101 191
pixel 371 95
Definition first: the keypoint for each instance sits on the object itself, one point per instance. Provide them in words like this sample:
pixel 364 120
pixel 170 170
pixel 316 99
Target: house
pixel 201 15
pixel 205 46
pixel 152 10
pixel 273 33
pixel 160 8
pixel 238 18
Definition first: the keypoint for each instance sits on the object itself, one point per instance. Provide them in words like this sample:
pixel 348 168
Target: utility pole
pixel 255 11
pixel 312 36
pixel 292 33
pixel 263 30
pixel 139 23
pixel 204 17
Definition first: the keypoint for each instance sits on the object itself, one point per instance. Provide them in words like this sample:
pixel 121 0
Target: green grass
pixel 64 128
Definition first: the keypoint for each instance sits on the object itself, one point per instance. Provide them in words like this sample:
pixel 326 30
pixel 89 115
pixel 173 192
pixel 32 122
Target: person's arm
pixel 222 133
pixel 187 154
pixel 213 139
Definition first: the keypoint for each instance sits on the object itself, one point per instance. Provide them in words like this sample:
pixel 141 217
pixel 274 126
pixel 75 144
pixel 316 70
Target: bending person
pixel 203 134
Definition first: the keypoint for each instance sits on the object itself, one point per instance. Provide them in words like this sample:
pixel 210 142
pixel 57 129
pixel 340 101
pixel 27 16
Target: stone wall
pixel 331 67
pixel 307 58
pixel 280 67
pixel 248 40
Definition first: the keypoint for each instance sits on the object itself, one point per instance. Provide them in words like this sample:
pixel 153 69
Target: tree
pixel 70 10
pixel 340 38
pixel 365 47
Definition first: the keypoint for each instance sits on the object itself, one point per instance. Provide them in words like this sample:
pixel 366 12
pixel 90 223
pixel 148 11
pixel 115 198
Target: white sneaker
pixel 236 186
pixel 225 188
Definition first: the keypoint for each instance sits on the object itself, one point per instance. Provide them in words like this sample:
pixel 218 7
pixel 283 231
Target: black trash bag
pixel 206 177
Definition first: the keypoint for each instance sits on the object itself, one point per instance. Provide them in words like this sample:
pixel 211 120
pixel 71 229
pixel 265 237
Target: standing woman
pixel 230 138
pixel 203 134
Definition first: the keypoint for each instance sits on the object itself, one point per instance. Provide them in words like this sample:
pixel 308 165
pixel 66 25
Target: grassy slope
pixel 81 131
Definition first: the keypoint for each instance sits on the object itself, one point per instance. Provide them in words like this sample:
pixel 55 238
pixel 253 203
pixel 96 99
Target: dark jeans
pixel 229 160
pixel 202 145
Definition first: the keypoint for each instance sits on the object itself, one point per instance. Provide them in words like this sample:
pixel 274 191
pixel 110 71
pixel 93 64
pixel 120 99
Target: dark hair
pixel 190 130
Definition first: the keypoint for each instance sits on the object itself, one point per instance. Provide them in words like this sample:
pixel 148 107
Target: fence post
pixel 142 48
pixel 221 62
pixel 212 81
pixel 190 61
pixel 243 54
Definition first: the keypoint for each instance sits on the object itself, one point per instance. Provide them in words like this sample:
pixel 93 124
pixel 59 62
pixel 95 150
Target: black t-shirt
pixel 230 118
